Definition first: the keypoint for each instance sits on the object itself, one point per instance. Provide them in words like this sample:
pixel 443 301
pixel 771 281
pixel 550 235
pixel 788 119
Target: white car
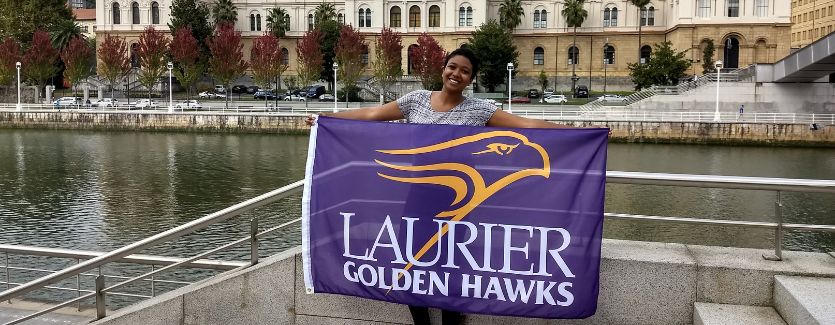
pixel 611 99
pixel 295 98
pixel 107 102
pixel 207 94
pixel 555 99
pixel 145 104
pixel 220 89
pixel 492 101
pixel 66 101
pixel 188 104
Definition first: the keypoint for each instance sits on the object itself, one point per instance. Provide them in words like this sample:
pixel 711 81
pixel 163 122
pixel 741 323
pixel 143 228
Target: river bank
pixel 727 133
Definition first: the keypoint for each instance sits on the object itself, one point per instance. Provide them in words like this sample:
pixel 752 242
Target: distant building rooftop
pixel 84 14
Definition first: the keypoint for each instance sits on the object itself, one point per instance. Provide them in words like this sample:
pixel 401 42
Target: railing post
pixel 253 241
pixel 101 311
pixel 78 285
pixel 8 278
pixel 153 288
pixel 778 233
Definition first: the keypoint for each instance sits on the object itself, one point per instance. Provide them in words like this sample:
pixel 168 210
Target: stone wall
pixel 622 131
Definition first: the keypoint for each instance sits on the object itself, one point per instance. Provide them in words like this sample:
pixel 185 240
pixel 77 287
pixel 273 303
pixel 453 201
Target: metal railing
pixel 778 185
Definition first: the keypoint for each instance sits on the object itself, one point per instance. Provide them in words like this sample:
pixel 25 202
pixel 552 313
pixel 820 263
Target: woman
pixel 448 106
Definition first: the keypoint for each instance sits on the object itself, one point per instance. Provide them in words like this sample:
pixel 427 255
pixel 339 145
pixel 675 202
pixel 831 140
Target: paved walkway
pixel 18 309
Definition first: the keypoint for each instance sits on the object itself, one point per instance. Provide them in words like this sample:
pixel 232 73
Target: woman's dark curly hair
pixel 467 53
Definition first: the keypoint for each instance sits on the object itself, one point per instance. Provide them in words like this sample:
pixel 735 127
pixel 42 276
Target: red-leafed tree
pixel 185 52
pixel 266 60
pixel 227 61
pixel 348 52
pixel 9 56
pixel 310 57
pixel 78 60
pixel 40 61
pixel 114 62
pixel 428 61
pixel 151 54
pixel 387 62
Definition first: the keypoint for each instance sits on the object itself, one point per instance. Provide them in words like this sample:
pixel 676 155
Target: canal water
pixel 102 190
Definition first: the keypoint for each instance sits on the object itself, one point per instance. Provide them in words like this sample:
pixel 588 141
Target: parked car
pixel 492 101
pixel 107 102
pixel 220 95
pixel 555 99
pixel 188 104
pixel 326 98
pixel 547 92
pixel 520 99
pixel 206 94
pixel 607 98
pixel 264 94
pixel 220 89
pixel 238 89
pixel 295 98
pixel 145 104
pixel 252 89
pixel 581 92
pixel 533 93
pixel 315 91
pixel 67 101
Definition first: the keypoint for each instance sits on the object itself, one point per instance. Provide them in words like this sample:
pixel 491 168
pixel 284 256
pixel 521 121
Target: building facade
pixel 744 31
pixel 811 20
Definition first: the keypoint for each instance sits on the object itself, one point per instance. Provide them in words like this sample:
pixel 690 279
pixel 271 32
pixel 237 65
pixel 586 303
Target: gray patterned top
pixel 416 108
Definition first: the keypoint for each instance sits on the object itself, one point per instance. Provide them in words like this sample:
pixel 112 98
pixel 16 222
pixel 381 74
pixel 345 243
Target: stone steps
pixel 805 300
pixel 722 314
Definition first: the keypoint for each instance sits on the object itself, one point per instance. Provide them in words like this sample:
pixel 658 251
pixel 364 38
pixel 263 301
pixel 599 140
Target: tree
pixel 114 62
pixel 707 58
pixel 428 60
pixel 310 57
pixel 543 81
pixel 511 13
pixel 39 62
pixel 330 35
pixel 664 68
pixel 151 53
pixel 348 53
pixel 574 15
pixel 9 56
pixel 494 45
pixel 192 14
pixel 78 60
pixel 227 61
pixel 387 63
pixel 266 60
pixel 224 12
pixel 64 32
pixel 325 11
pixel 641 4
pixel 188 63
pixel 278 22
pixel 20 19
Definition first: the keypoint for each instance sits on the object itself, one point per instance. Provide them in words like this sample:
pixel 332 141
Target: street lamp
pixel 509 87
pixel 335 67
pixel 170 92
pixel 18 107
pixel 718 66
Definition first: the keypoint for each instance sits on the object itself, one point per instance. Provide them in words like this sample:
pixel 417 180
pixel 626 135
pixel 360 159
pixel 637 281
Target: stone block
pixel 720 314
pixel 163 310
pixel 805 300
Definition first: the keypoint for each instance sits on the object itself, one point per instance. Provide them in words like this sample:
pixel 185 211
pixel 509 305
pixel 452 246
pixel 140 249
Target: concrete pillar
pixel 100 92
pixel 86 91
pixel 49 90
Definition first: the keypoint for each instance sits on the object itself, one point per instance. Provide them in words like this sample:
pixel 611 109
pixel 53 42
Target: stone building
pixel 811 20
pixel 744 31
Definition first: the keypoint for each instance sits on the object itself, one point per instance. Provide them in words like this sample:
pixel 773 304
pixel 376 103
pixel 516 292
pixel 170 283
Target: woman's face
pixel 457 74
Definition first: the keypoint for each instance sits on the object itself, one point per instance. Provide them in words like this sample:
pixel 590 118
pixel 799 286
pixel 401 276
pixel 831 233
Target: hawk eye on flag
pixel 472 219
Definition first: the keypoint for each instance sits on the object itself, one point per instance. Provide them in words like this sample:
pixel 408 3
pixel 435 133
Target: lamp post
pixel 335 67
pixel 509 87
pixel 605 63
pixel 18 107
pixel 170 92
pixel 718 66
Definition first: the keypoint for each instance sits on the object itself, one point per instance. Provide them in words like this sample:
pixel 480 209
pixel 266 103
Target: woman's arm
pixel 386 112
pixel 504 119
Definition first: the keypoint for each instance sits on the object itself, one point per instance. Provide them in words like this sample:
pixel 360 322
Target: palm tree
pixel 574 15
pixel 324 11
pixel 277 22
pixel 511 13
pixel 224 11
pixel 640 4
pixel 65 31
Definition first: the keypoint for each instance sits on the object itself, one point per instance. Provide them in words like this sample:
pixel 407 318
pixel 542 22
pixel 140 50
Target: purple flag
pixel 472 219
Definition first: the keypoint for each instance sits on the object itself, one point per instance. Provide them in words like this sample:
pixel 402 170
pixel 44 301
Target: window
pixel 258 22
pixel 287 22
pixel 394 17
pixel 573 55
pixel 609 55
pixel 310 21
pixel 606 17
pixel 434 16
pixel 414 16
pixel 760 8
pixel 538 56
pixel 540 19
pixel 285 56
pixel 154 12
pixel 340 18
pixel 651 16
pixel 362 17
pixel 364 57
pixel 251 22
pixel 733 8
pixel 367 17
pixel 703 8
pixel 543 19
pixel 462 16
pixel 116 16
pixel 643 16
pixel 134 11
pixel 614 20
pixel 469 16
pixel 646 52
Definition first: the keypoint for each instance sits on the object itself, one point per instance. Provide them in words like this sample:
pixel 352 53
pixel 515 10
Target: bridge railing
pixel 777 185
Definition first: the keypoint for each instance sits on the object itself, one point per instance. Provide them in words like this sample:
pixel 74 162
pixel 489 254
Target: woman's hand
pixel 310 120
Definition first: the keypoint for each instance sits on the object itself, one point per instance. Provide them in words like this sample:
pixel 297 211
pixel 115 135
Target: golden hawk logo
pixel 501 143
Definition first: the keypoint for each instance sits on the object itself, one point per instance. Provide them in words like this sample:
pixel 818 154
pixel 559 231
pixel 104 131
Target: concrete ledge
pixel 719 314
pixel 805 300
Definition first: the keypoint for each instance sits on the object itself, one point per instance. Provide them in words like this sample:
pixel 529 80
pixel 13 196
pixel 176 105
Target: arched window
pixel 609 55
pixel 310 21
pixel 573 55
pixel 462 16
pixel 134 11
pixel 538 56
pixel 340 18
pixel 731 57
pixel 434 16
pixel 540 19
pixel 154 12
pixel 651 16
pixel 469 16
pixel 367 17
pixel 703 8
pixel 646 51
pixel 364 57
pixel 414 16
pixel 613 21
pixel 117 18
pixel 251 22
pixel 362 17
pixel 761 8
pixel 606 16
pixel 394 16
pixel 285 56
pixel 536 19
pixel 643 16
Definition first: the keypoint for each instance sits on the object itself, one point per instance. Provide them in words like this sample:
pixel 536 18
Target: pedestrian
pixel 741 110
pixel 447 106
